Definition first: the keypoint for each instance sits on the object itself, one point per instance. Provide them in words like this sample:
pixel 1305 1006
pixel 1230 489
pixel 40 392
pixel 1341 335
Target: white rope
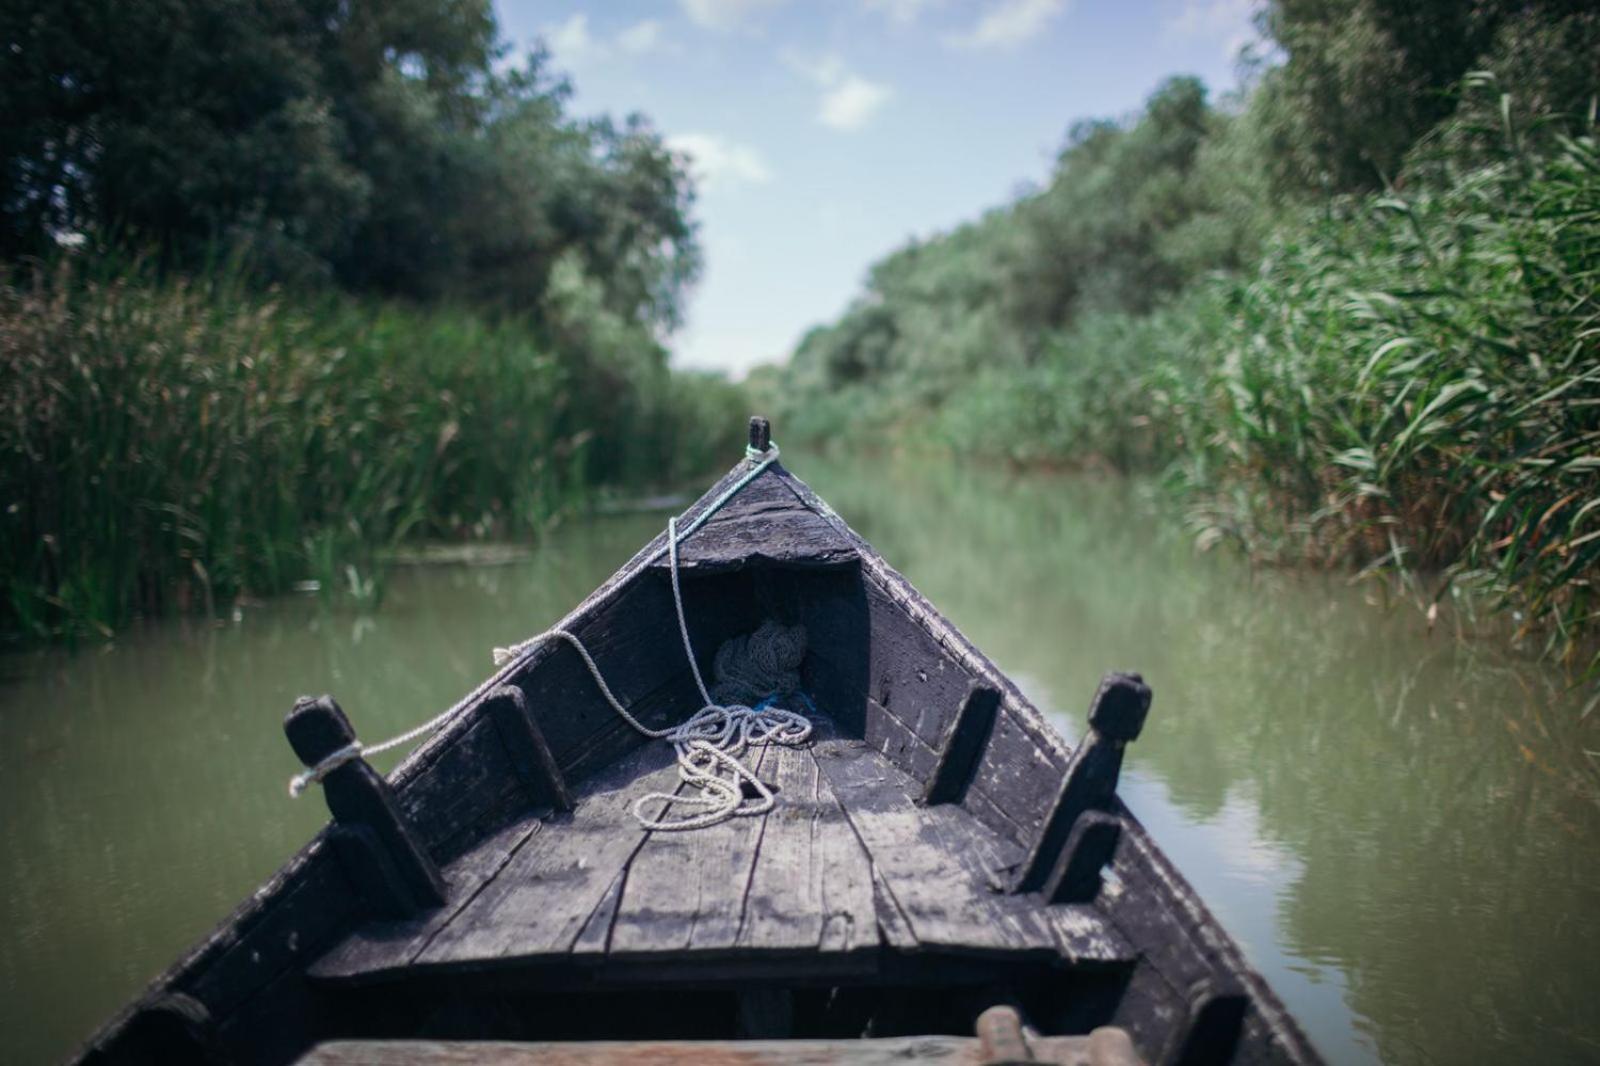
pixel 712 740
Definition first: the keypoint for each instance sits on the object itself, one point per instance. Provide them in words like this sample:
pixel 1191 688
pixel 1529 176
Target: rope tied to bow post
pixel 752 673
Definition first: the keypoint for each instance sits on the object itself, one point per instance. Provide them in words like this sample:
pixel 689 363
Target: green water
pixel 1402 829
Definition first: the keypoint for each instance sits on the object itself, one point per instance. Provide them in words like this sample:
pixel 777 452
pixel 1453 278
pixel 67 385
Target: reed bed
pixel 1406 384
pixel 176 444
pixel 1413 385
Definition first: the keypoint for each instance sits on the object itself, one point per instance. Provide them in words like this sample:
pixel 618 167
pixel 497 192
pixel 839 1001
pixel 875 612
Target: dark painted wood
pixel 1182 947
pixel 1115 717
pixel 371 838
pixel 760 433
pixel 1212 1028
pixel 1090 846
pixel 168 1028
pixel 889 1051
pixel 387 946
pixel 1017 777
pixel 525 742
pixel 311 909
pixel 945 872
pixel 812 888
pixel 546 894
pixel 962 746
pixel 765 525
pixel 686 890
pixel 910 675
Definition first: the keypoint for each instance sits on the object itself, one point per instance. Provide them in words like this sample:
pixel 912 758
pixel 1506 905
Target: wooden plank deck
pixel 846 863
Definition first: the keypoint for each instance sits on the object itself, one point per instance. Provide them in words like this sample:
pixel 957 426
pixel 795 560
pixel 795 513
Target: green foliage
pixel 1133 213
pixel 1364 80
pixel 1416 385
pixel 175 443
pixel 383 146
pixel 1405 382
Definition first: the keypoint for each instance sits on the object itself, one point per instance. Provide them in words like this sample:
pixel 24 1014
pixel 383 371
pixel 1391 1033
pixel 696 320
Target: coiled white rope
pixel 712 740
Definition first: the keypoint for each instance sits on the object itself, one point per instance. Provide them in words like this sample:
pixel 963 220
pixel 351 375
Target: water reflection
pixel 1403 831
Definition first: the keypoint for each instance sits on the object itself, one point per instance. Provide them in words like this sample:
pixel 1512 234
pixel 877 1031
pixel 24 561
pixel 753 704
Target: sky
pixel 824 134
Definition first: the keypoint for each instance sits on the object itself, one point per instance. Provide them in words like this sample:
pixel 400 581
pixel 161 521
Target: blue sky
pixel 826 133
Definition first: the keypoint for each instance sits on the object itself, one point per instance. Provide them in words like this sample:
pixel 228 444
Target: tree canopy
pixel 389 147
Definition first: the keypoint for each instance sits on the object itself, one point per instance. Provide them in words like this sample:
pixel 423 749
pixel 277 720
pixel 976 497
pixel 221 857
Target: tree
pixel 380 145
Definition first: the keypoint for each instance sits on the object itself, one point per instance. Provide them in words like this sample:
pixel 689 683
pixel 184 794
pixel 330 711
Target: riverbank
pixel 175 444
pixel 1404 384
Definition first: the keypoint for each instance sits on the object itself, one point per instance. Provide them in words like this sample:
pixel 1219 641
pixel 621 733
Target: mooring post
pixel 377 848
pixel 1090 782
pixel 760 433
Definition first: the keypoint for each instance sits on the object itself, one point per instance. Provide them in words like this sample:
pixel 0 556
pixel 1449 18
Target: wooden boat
pixel 939 876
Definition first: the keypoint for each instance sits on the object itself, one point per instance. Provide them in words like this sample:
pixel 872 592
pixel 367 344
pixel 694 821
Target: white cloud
pixel 640 38
pixel 716 162
pixel 572 43
pixel 1009 23
pixel 905 12
pixel 570 39
pixel 1231 23
pixel 723 14
pixel 849 101
pixel 852 103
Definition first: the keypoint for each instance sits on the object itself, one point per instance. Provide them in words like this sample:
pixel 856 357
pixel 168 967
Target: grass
pixel 173 444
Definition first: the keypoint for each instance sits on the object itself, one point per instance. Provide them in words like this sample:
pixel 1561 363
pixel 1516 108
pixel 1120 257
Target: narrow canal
pixel 1403 829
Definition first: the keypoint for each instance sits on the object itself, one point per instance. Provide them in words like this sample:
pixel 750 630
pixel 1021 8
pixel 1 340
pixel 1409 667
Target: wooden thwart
pixel 1103 1047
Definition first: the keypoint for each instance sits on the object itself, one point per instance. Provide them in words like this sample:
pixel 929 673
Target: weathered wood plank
pixel 546 894
pixel 812 885
pixel 530 753
pixel 311 909
pixel 1183 948
pixel 965 738
pixel 894 1051
pixel 890 736
pixel 464 784
pixel 1016 779
pixel 378 946
pixel 595 937
pixel 765 524
pixel 942 867
pixel 687 890
pixel 893 928
pixel 909 674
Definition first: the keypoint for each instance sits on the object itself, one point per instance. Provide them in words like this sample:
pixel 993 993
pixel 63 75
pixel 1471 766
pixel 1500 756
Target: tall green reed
pixel 173 444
